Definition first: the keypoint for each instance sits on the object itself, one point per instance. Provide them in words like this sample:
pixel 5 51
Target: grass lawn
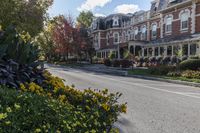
pixel 146 72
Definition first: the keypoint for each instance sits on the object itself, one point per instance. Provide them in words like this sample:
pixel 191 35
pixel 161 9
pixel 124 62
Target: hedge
pixel 190 64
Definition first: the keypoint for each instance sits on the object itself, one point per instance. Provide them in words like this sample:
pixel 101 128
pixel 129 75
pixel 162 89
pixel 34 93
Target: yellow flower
pixel 8 122
pixel 105 107
pixel 62 98
pixel 124 108
pixel 9 109
pixel 17 106
pixel 3 116
pixel 22 87
pixel 38 130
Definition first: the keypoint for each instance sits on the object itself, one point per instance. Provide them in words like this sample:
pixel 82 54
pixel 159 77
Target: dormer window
pixel 115 21
pixel 171 1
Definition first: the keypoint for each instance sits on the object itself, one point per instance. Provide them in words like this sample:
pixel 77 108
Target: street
pixel 153 106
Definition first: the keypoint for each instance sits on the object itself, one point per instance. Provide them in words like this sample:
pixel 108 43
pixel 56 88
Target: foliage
pixel 12 74
pixel 85 19
pixel 166 60
pixel 191 74
pixel 45 40
pixel 107 62
pixel 111 55
pixel 125 63
pixel 116 63
pixel 175 60
pixel 26 15
pixel 161 70
pixel 194 57
pixel 174 74
pixel 190 64
pixel 17 47
pixel 183 58
pixel 152 59
pixel 101 106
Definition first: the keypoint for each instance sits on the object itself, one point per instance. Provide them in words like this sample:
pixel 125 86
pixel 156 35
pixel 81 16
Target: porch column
pixel 134 50
pixel 172 50
pixel 142 52
pixel 118 49
pixel 153 51
pixel 165 50
pixel 159 51
pixel 181 47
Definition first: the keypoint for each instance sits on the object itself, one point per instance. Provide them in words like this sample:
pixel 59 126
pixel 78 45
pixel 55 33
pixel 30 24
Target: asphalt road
pixel 153 107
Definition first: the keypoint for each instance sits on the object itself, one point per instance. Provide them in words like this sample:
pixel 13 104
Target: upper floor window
pixel 143 35
pixel 168 26
pixel 116 37
pixel 96 41
pixel 154 30
pixel 184 16
pixel 135 32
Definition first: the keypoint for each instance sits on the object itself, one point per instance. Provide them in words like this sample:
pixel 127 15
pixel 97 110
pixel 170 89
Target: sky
pixel 98 7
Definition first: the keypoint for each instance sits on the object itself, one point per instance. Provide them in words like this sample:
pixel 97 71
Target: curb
pixel 166 80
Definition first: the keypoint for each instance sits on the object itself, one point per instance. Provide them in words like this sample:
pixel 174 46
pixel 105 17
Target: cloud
pixel 127 8
pixel 99 15
pixel 92 4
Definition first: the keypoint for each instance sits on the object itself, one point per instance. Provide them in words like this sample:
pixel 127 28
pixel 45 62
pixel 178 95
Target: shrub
pixel 166 60
pixel 174 60
pixel 18 47
pixel 107 62
pixel 125 63
pixel 191 64
pixel 28 112
pixel 152 59
pixel 194 57
pixel 12 73
pixel 146 59
pixel 184 57
pixel 161 70
pixel 116 63
pixel 174 74
pixel 191 74
pixel 159 59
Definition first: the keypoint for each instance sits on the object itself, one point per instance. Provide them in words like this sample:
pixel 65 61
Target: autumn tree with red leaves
pixel 63 36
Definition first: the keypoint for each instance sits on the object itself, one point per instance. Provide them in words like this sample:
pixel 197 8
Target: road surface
pixel 153 106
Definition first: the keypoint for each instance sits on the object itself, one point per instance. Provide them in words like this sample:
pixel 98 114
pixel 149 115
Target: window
pixel 116 37
pixel 168 27
pixel 193 49
pixel 184 20
pixel 154 30
pixel 96 41
pixel 143 35
pixel 115 21
pixel 135 33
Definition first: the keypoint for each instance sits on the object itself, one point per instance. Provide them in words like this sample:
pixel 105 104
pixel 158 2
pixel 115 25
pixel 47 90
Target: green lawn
pixel 146 72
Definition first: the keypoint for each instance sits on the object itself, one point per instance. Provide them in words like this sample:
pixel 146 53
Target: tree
pixel 45 40
pixel 63 35
pixel 26 15
pixel 85 19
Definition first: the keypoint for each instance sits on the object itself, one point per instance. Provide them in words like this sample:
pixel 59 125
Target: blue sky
pixel 98 7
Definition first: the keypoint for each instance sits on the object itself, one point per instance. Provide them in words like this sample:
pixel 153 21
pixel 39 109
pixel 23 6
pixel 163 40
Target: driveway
pixel 153 107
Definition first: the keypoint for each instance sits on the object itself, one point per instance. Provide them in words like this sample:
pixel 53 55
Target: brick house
pixel 168 27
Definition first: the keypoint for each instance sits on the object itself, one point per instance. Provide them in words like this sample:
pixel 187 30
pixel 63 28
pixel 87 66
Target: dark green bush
pixel 166 60
pixel 125 63
pixel 194 57
pixel 191 64
pixel 161 70
pixel 116 63
pixel 184 57
pixel 107 62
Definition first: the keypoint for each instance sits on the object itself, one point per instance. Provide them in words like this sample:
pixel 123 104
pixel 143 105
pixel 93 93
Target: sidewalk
pixel 99 68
